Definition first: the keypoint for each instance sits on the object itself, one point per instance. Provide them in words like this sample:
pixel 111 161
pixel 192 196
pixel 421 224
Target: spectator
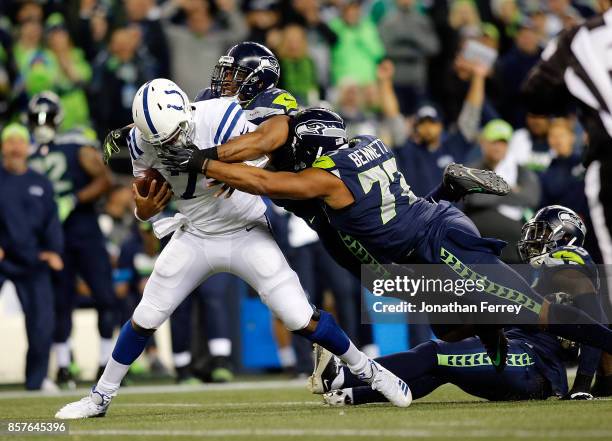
pixel 261 16
pixel 507 18
pixel 503 217
pixel 409 39
pixel 144 15
pixel 92 28
pixel 423 158
pixel 320 36
pixel 118 73
pixel 299 73
pixel 72 73
pixel 464 18
pixel 561 15
pixel 358 49
pixel 513 68
pixel 30 245
pixel 196 47
pixel 529 145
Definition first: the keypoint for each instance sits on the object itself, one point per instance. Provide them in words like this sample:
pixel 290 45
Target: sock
pixel 220 347
pixel 365 394
pixel 181 359
pixel 287 357
pixel 371 350
pixel 110 380
pixel 357 361
pixel 62 354
pixel 106 348
pixel 571 323
pixel 329 335
pixel 130 344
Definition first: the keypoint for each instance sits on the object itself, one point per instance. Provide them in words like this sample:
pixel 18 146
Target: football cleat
pixel 460 181
pixel 337 398
pixel 388 384
pixel 93 405
pixel 326 369
pixel 496 344
pixel 65 379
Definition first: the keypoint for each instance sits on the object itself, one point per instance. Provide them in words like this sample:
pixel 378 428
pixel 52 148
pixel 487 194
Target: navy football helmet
pixel 246 70
pixel 45 115
pixel 552 227
pixel 315 132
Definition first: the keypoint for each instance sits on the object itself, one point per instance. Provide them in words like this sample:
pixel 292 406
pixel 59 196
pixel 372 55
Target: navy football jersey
pixel 386 217
pixel 552 352
pixel 59 161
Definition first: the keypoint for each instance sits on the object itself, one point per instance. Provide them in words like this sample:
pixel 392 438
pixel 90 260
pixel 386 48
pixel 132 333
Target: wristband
pixel 197 159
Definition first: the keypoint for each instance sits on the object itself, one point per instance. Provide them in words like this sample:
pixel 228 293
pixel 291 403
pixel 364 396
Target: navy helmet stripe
pixel 135 143
pixel 228 112
pixel 146 110
pixel 232 125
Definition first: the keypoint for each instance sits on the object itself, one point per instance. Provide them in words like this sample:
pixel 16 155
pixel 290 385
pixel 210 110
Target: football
pixel 143 183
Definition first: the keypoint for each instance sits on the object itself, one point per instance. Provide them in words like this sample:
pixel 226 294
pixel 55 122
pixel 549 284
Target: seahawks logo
pixel 321 128
pixel 270 63
pixel 573 219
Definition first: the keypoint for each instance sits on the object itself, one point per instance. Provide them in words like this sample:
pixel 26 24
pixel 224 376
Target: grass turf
pixel 282 413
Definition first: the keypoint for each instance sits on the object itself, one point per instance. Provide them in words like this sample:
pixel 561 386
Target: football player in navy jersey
pixel 79 179
pixel 364 195
pixel 551 243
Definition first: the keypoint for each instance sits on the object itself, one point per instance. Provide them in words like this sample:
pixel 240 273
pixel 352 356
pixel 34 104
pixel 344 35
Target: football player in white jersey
pixel 211 235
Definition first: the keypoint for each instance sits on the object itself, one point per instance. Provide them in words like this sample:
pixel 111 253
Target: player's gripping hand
pixel 185 159
pixel 153 203
pixel 115 140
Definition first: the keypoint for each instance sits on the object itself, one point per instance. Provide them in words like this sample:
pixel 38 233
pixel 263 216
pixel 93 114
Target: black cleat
pixel 65 379
pixel 496 345
pixel 460 181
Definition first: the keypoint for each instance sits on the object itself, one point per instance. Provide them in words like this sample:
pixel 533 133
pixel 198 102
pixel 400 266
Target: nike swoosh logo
pixel 326 384
pixel 250 228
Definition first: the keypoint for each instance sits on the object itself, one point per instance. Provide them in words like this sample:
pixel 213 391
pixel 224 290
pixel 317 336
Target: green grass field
pixel 284 410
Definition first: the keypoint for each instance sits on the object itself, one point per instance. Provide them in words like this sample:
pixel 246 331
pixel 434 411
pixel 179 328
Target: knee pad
pixel 147 317
pixel 289 303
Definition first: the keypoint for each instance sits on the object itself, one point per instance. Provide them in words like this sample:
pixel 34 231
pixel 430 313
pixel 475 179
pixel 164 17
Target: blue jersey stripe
pixel 228 112
pixel 146 110
pixel 232 125
pixel 129 144
pixel 135 144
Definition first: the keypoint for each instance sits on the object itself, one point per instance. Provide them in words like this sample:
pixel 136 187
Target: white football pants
pixel 251 254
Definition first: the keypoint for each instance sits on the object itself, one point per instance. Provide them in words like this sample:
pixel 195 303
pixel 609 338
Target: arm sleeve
pixel 588 361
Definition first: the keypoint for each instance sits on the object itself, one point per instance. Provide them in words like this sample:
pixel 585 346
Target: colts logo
pixel 172 106
pixel 321 128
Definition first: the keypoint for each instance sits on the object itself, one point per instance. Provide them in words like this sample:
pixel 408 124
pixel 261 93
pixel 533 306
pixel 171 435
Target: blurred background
pixel 437 80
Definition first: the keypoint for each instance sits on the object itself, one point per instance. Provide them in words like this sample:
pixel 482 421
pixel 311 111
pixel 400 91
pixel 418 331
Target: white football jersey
pixel 216 121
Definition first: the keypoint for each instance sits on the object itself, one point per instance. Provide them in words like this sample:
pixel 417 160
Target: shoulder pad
pixel 570 254
pixel 132 143
pixel 269 103
pixel 80 137
pixel 204 94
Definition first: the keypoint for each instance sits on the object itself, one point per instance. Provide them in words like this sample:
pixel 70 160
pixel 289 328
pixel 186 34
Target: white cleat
pixel 337 398
pixel 390 385
pixel 92 406
pixel 323 360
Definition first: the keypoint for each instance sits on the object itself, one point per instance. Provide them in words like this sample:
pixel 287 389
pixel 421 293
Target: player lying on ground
pixel 536 360
pixel 364 195
pixel 211 235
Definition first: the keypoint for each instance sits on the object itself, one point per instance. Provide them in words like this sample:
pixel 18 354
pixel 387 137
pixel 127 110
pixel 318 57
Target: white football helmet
pixel 162 112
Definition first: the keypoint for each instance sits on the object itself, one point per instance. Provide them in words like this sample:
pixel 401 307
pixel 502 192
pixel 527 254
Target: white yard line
pixel 400 433
pixel 171 388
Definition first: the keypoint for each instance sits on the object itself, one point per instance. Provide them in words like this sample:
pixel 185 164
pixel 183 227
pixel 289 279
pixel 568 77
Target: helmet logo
pixel 573 219
pixel 173 106
pixel 316 127
pixel 270 63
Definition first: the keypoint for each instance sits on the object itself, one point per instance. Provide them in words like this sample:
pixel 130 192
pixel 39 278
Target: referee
pixel 30 245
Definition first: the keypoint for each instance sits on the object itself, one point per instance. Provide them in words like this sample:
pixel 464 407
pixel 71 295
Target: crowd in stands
pixel 437 80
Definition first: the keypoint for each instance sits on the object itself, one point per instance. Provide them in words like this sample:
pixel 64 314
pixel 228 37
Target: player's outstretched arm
pixel 269 136
pixel 308 184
